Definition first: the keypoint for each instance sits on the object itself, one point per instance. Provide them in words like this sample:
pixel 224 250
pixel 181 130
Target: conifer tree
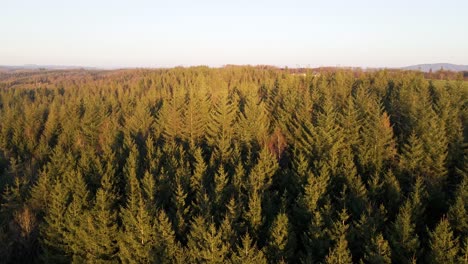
pixel 315 189
pixel 180 208
pixel 281 240
pixel 253 215
pixel 328 135
pixel 195 115
pixel 220 132
pixel 167 249
pixel 254 122
pixel 248 253
pixel 131 169
pixel 75 216
pixel 137 238
pixel 198 180
pixel 340 253
pixel 463 258
pixel 391 192
pixel 148 185
pixel 444 246
pixel 349 120
pixel 152 158
pixel 205 244
pixel 169 120
pixel 220 183
pixel 376 135
pixel 260 177
pixel 100 230
pixel 230 224
pixel 315 239
pixel 457 213
pixel 53 230
pixel 434 140
pixel 357 199
pixel 403 238
pixel 378 252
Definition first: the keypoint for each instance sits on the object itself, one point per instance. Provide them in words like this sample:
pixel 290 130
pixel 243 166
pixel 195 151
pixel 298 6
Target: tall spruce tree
pixel 444 246
pixel 340 253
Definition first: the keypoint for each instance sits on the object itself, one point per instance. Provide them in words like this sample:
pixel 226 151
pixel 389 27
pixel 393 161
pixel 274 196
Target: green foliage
pixel 340 252
pixel 100 230
pixel 282 241
pixel 53 230
pixel 248 253
pixel 205 243
pixel 444 247
pixel 457 213
pixel 404 240
pixel 220 128
pixel 137 238
pixel 378 252
pixel 233 164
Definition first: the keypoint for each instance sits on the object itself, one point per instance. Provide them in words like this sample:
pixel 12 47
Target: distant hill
pixel 436 67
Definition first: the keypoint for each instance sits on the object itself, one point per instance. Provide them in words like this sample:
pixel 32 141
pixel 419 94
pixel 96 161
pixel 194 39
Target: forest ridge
pixel 233 165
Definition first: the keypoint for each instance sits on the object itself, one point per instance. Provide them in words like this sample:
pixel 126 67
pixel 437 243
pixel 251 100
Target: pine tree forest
pixel 232 165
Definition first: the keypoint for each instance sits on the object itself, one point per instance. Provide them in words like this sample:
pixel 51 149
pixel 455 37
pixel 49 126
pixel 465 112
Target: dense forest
pixel 232 165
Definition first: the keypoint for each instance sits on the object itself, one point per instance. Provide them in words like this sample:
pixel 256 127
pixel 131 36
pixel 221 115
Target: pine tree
pixel 220 132
pixel 253 216
pixel 403 238
pixel 205 244
pixel 463 258
pixel 75 215
pixel 329 135
pixel 254 122
pixel 378 252
pixel 248 253
pixel 260 177
pixel 457 213
pixel 412 159
pixel 53 229
pixel 418 201
pixel 444 247
pixel 376 135
pixel 91 121
pixel 281 240
pixel 195 115
pixel 198 180
pixel 340 253
pixel 167 249
pixel 315 189
pixel 132 168
pixel 230 224
pixel 392 192
pixel 220 182
pixel 100 229
pixel 316 238
pixel 434 141
pixel 137 238
pixel 148 185
pixel 349 120
pixel 180 208
pixel 169 119
pixel 357 196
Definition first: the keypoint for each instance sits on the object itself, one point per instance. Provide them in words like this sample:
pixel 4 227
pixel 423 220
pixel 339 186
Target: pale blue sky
pixel 140 33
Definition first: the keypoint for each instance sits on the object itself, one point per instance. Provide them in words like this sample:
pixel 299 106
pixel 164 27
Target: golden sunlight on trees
pixel 232 165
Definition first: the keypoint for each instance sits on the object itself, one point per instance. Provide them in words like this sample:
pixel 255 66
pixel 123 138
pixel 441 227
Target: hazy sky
pixel 313 33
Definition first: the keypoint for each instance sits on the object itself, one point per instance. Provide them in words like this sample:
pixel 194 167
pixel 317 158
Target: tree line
pixel 232 165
